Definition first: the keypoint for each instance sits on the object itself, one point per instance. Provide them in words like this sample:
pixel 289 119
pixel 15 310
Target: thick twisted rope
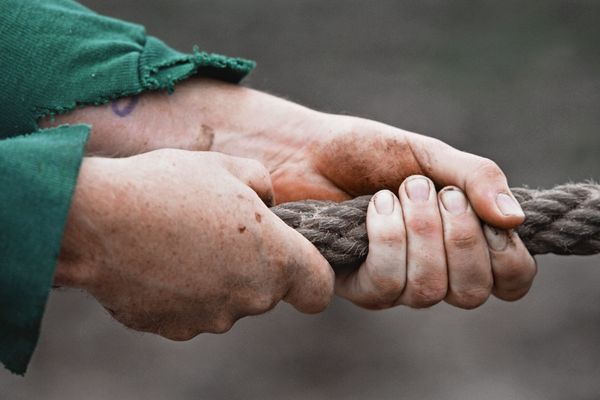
pixel 564 220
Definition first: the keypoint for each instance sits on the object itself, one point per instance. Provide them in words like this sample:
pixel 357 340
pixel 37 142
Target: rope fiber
pixel 563 220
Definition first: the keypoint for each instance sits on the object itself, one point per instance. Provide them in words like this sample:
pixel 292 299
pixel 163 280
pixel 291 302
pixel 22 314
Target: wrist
pixel 82 246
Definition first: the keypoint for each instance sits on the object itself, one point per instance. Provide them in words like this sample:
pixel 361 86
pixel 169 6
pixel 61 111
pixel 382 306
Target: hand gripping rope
pixel 564 220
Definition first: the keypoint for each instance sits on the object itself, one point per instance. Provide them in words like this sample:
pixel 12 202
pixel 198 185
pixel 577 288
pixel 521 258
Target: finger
pixel 252 173
pixel 482 180
pixel 427 277
pixel 470 278
pixel 381 278
pixel 309 278
pixel 512 265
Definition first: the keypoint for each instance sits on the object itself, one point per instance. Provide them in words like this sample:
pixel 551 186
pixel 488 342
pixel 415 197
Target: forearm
pixel 202 114
pixel 134 125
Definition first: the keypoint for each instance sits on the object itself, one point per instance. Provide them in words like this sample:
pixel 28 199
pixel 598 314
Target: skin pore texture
pixel 178 241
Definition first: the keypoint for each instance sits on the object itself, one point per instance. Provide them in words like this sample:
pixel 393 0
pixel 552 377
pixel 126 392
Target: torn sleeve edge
pixel 212 65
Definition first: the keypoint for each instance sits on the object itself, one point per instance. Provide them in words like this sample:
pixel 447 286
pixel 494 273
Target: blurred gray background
pixel 517 81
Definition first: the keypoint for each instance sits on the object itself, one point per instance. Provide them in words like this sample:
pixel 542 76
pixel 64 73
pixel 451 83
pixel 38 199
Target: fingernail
pixel 417 189
pixel 508 205
pixel 454 201
pixel 384 202
pixel 497 240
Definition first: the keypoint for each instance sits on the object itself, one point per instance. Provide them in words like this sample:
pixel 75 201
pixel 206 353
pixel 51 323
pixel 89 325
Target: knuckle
pixel 221 325
pixel 423 227
pixel 259 168
pixel 389 237
pixel 489 170
pixel 428 294
pixel 387 288
pixel 262 303
pixel 470 298
pixel 313 293
pixel 464 240
pixel 320 299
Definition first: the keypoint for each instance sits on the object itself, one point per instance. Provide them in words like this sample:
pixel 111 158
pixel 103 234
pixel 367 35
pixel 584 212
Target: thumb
pixel 489 195
pixel 253 173
pixel 480 178
pixel 310 277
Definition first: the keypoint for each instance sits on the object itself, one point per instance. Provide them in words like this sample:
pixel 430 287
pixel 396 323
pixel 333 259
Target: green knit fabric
pixel 56 55
pixel 37 176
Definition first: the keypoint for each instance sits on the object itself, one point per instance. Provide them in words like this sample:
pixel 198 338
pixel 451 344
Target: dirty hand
pixel 324 156
pixel 178 243
pixel 426 247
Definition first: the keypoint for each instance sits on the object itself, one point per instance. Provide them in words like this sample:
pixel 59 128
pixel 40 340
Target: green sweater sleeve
pixel 56 55
pixel 37 176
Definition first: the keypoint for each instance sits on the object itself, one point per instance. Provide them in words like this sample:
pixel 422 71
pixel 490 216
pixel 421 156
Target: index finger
pixel 253 173
pixel 480 178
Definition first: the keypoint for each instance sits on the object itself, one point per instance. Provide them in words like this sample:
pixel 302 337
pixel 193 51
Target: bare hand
pixel 177 243
pixel 324 156
pixel 425 248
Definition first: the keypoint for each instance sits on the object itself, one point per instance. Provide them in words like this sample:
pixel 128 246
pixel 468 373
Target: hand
pixel 177 243
pixel 308 154
pixel 421 253
pixel 425 248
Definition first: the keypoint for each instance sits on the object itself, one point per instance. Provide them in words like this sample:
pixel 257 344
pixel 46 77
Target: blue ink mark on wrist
pixel 124 107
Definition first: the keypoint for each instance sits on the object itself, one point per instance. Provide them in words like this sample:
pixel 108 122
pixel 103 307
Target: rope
pixel 564 220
